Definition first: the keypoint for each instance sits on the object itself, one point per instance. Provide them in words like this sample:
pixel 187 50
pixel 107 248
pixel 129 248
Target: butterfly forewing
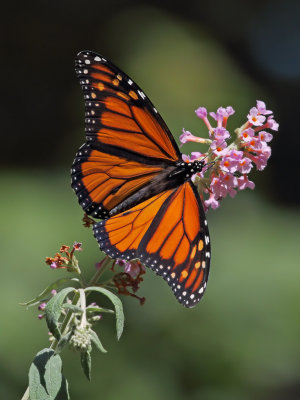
pixel 118 113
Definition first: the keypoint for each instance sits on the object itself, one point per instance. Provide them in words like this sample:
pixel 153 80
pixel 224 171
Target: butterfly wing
pixel 168 233
pixel 128 143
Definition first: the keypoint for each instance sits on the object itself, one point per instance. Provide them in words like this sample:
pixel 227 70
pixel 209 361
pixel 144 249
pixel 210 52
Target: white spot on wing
pixel 141 94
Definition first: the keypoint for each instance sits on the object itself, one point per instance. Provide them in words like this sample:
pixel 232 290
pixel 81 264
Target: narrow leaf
pixel 95 339
pixel 86 363
pixel 53 311
pixel 117 304
pixel 46 292
pixel 99 309
pixel 46 381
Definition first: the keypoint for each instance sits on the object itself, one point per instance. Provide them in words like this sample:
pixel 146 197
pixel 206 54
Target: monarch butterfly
pixel 130 173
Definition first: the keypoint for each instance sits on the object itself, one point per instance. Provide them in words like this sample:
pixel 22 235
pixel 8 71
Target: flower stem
pixel 83 321
pixel 66 320
pixel 203 140
pixel 103 267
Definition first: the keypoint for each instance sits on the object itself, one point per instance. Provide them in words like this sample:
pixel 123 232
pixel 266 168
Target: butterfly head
pixel 188 169
pixel 197 165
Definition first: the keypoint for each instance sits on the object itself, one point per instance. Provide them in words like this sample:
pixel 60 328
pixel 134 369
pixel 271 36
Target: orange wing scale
pixel 117 105
pixel 103 68
pixel 136 221
pixel 183 220
pixel 150 125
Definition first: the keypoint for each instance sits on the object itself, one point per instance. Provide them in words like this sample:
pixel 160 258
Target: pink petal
pixel 201 112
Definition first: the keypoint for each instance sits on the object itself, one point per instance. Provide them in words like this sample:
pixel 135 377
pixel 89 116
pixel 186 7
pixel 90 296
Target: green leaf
pixel 117 304
pixel 73 308
pixel 46 381
pixel 46 292
pixel 95 339
pixel 86 363
pixel 99 309
pixel 63 341
pixel 53 310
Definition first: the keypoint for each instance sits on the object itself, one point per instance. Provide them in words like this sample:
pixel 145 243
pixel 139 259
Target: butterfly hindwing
pixel 169 234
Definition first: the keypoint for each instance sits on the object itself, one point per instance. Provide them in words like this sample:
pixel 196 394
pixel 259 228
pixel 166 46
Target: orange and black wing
pixel 128 143
pixel 168 233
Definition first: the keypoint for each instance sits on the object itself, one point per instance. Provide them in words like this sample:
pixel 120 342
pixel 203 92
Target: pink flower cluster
pixel 66 261
pixel 231 163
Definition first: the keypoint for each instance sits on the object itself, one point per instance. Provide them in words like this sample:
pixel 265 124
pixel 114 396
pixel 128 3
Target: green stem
pixel 66 320
pixel 108 282
pixel 82 280
pixel 105 263
pixel 83 321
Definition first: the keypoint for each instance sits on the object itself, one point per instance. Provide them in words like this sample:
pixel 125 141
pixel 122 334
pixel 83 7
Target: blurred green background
pixel 242 341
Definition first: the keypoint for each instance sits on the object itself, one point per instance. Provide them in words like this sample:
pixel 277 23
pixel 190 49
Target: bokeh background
pixel 242 341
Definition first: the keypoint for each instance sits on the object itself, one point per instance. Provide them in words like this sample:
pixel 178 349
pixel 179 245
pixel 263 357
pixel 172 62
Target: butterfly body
pixel 130 173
